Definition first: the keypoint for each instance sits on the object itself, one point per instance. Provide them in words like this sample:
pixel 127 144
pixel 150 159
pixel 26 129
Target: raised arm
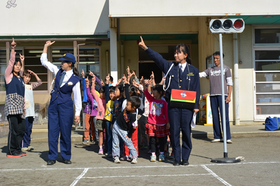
pixel 147 93
pixel 96 78
pixel 126 87
pixel 153 79
pixel 35 84
pixel 9 69
pixel 44 60
pixel 84 86
pixel 96 97
pixel 107 94
pixel 21 57
pixel 90 97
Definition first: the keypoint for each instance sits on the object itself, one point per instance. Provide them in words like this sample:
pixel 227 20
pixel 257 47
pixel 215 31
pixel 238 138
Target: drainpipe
pixel 122 60
pixel 236 81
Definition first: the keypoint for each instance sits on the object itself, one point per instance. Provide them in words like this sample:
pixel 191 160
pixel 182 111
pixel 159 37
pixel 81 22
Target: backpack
pixel 272 124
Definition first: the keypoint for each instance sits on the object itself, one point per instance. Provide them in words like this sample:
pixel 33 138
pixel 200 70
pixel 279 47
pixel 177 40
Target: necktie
pixel 61 78
pixel 181 70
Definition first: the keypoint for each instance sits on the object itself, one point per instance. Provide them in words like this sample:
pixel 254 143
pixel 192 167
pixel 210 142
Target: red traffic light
pixel 238 24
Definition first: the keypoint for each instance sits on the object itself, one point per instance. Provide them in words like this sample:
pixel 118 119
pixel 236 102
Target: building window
pixel 58 53
pixel 267 35
pixel 267 73
pixel 89 59
pixel 32 62
pixel 267 69
pixel 3 66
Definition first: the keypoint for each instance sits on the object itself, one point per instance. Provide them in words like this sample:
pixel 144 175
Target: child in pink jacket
pixel 101 106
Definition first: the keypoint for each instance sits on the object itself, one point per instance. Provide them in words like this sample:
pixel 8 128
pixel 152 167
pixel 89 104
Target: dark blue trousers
pixel 180 119
pixel 26 138
pixel 109 137
pixel 60 119
pixel 216 106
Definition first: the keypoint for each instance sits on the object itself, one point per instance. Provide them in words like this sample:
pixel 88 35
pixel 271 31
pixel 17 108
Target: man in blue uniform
pixel 181 75
pixel 60 111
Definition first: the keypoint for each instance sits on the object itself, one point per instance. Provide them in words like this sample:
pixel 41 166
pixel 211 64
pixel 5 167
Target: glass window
pixel 3 66
pixel 3 57
pixel 268 109
pixel 32 62
pixel 58 53
pixel 267 76
pixel 89 59
pixel 267 55
pixel 268 98
pixel 267 35
pixel 267 81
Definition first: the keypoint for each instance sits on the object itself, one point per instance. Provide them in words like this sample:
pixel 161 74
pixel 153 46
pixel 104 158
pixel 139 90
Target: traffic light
pixel 227 25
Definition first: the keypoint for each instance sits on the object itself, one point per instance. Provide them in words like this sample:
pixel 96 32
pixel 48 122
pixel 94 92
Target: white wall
pixel 148 8
pixel 246 75
pixel 54 17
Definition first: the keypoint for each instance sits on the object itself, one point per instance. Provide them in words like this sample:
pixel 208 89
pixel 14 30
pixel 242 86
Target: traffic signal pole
pixel 220 26
pixel 226 159
pixel 223 95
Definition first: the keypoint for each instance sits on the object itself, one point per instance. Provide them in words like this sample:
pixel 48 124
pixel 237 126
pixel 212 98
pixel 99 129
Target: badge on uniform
pixel 190 74
pixel 70 83
pixel 182 98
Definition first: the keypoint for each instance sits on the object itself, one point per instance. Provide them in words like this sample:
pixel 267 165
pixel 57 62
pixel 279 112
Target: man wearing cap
pixel 60 111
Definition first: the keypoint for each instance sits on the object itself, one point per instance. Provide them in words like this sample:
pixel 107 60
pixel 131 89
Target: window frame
pixel 263 47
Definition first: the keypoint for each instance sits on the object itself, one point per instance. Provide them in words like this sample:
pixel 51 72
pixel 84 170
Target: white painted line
pixel 140 167
pixel 216 176
pixel 141 176
pixel 4 170
pixel 79 177
pixel 242 163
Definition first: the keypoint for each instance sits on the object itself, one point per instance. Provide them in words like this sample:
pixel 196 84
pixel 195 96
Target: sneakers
pixel 216 140
pixel 100 152
pixel 229 141
pixel 116 159
pixel 153 158
pixel 17 154
pixel 134 161
pixel 123 158
pixel 161 157
pixel 29 148
pixel 85 141
pixel 24 149
pixel 221 140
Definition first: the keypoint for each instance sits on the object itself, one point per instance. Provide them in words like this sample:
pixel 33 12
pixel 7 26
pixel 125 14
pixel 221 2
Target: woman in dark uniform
pixel 182 75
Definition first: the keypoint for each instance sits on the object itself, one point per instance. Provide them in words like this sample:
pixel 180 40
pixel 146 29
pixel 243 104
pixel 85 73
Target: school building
pixel 104 35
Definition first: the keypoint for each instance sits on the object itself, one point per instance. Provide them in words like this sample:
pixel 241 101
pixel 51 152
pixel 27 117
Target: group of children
pixel 120 117
pixel 132 113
